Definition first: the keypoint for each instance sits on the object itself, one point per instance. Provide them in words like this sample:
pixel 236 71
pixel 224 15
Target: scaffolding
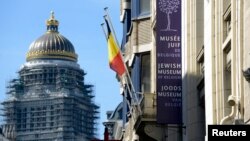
pixel 50 103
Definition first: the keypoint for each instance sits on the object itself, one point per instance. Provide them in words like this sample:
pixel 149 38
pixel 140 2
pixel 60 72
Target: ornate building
pixel 114 122
pixel 50 100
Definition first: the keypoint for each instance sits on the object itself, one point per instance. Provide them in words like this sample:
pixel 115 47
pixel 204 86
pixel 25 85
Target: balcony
pixel 148 110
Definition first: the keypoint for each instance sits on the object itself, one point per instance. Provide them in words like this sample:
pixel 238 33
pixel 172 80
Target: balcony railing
pixel 148 109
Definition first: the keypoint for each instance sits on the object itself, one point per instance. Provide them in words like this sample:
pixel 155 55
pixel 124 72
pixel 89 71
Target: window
pixel 227 77
pixel 200 61
pixel 145 72
pixel 227 87
pixel 201 95
pixel 140 8
pixel 227 20
pixel 228 23
pixel 144 7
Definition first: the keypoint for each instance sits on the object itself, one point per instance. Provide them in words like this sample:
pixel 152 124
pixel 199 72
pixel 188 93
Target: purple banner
pixel 168 62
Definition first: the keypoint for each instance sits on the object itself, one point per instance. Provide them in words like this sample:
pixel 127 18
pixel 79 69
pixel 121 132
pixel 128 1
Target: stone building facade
pixel 215 67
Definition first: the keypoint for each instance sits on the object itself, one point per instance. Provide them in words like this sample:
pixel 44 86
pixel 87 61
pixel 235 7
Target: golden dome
pixel 51 45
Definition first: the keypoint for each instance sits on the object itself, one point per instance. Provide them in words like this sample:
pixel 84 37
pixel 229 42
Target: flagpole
pixel 104 32
pixel 106 36
pixel 125 95
pixel 111 25
pixel 130 93
pixel 129 78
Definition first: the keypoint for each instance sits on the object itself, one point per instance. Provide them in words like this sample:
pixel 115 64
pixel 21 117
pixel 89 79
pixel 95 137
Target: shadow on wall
pixel 193 96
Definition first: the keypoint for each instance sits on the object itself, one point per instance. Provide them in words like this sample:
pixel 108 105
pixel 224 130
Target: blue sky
pixel 23 21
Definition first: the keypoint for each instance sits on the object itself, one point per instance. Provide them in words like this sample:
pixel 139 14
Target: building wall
pixel 193 73
pixel 223 59
pixel 2 138
pixel 141 41
pixel 226 54
pixel 246 58
pixel 215 52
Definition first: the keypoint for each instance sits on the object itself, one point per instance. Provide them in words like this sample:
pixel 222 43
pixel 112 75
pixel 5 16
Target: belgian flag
pixel 115 59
